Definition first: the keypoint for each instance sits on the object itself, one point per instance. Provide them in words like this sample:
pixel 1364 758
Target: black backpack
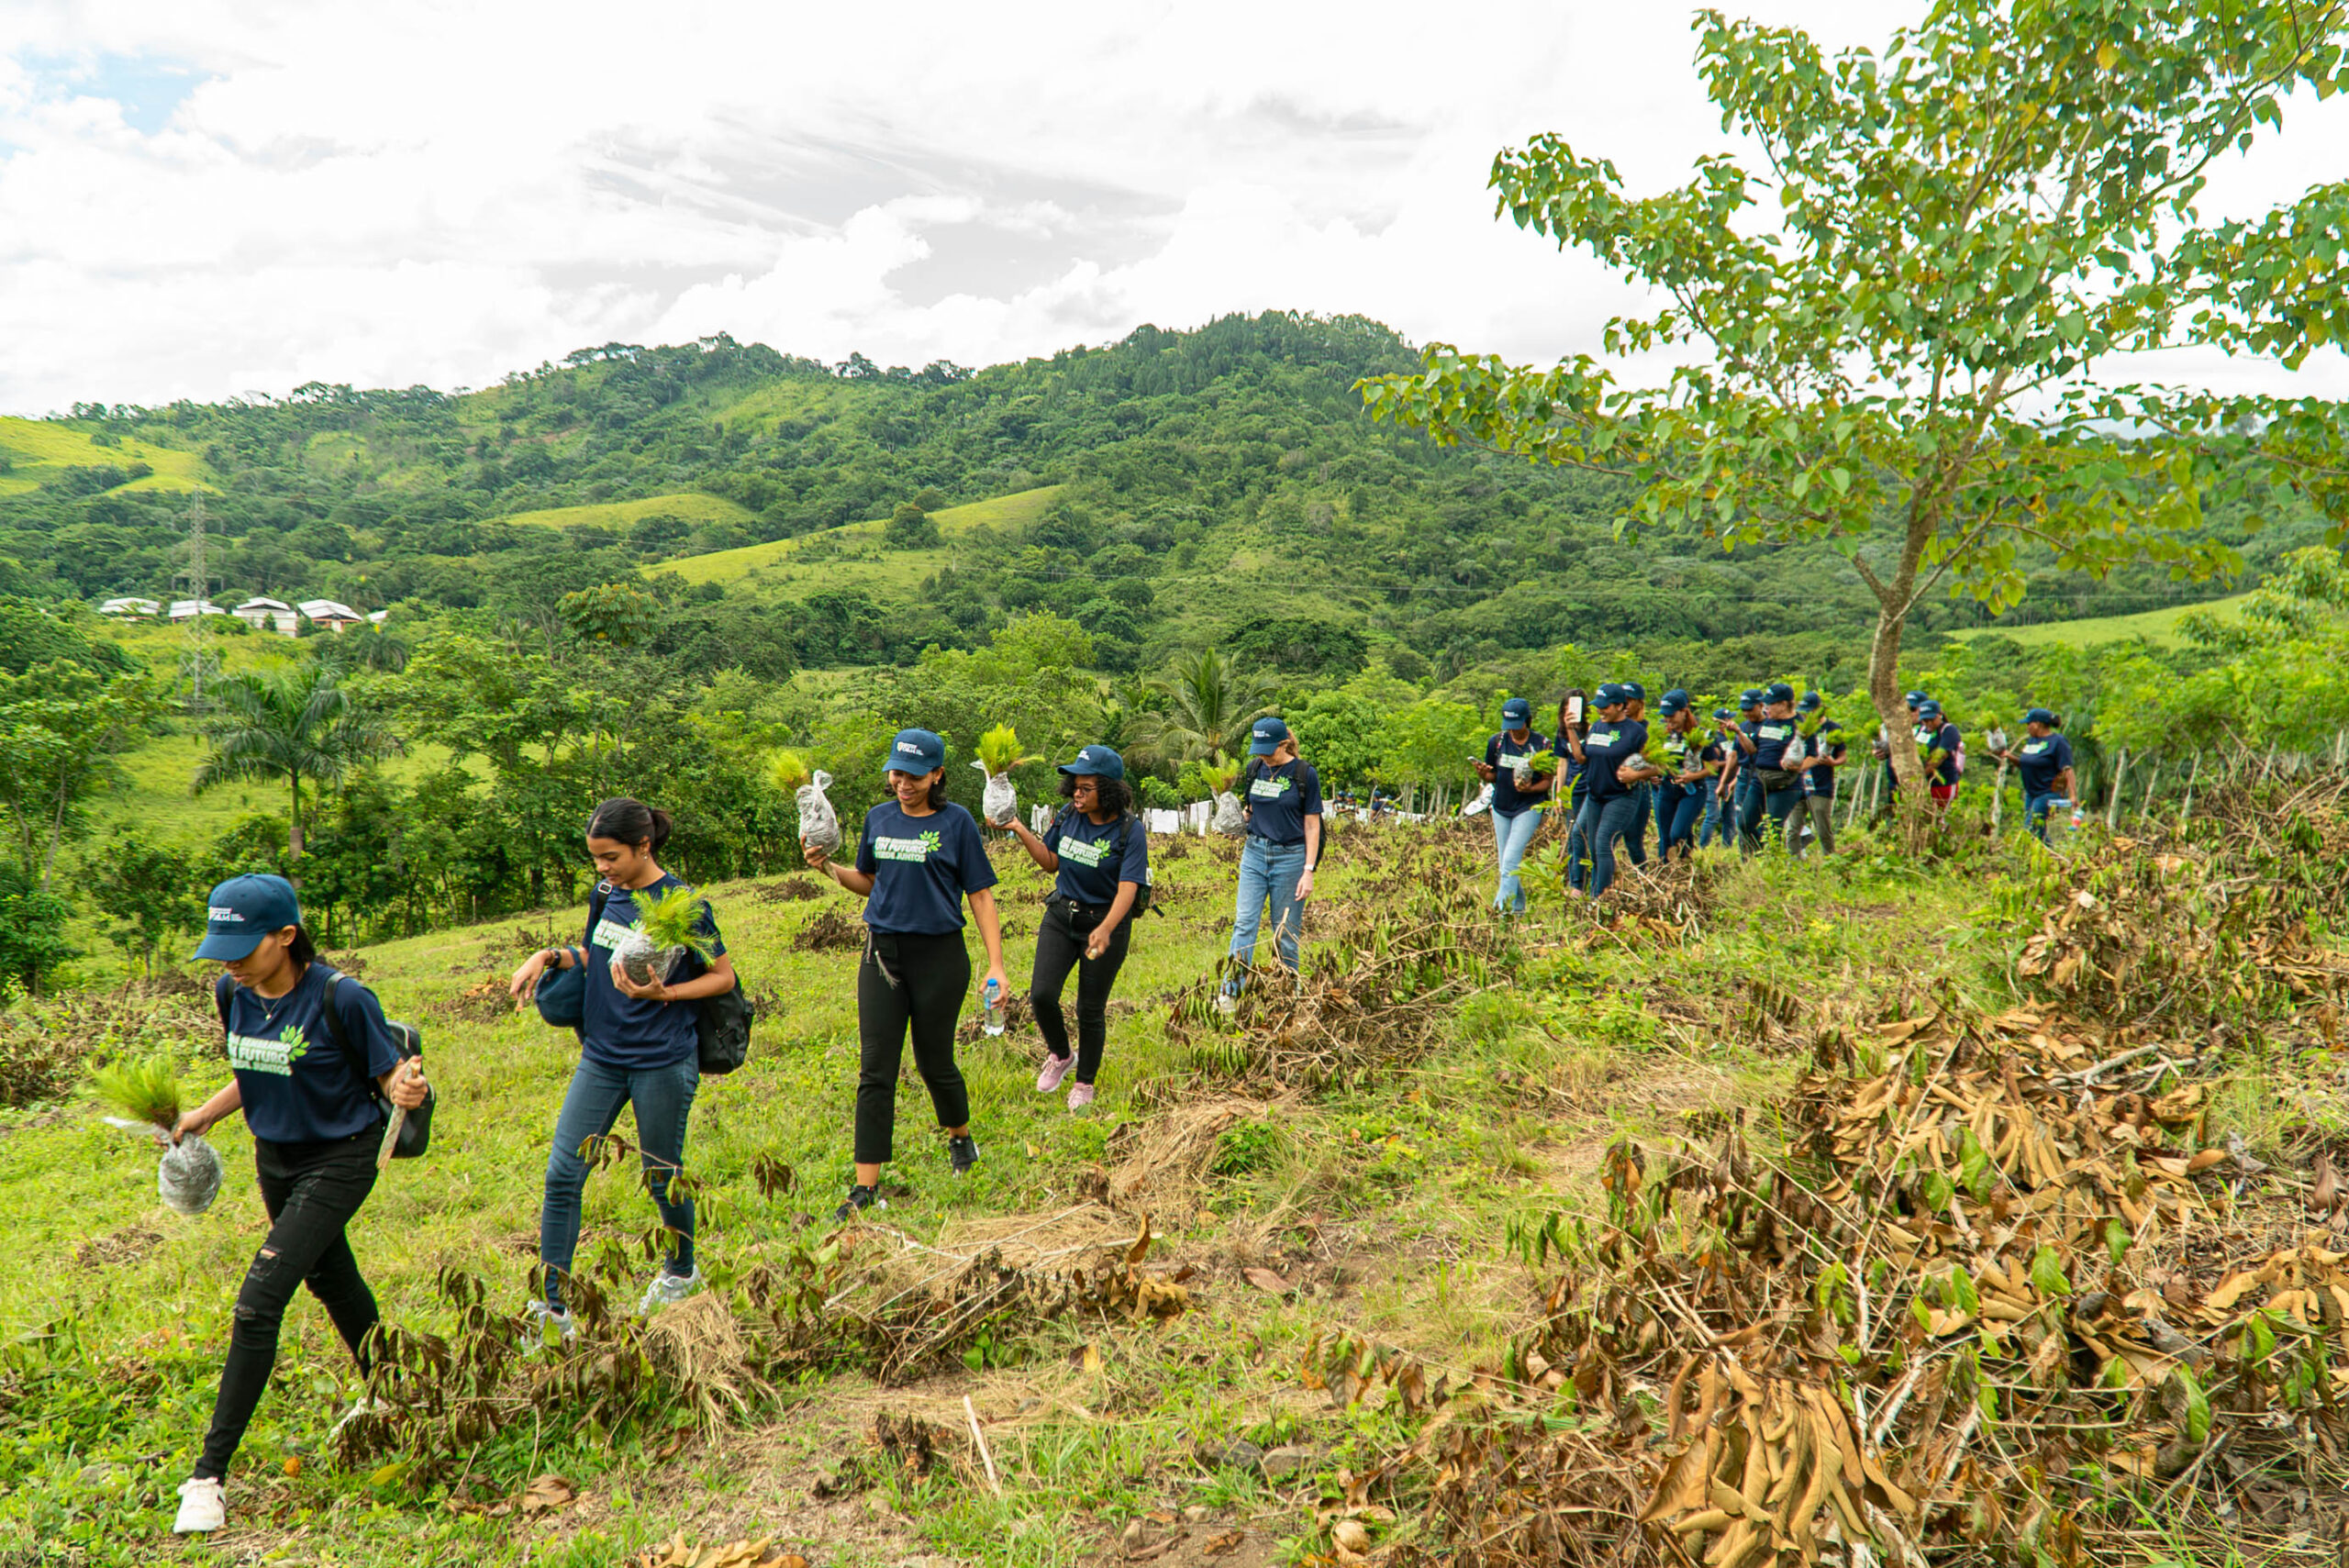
pixel 721 1023
pixel 415 1131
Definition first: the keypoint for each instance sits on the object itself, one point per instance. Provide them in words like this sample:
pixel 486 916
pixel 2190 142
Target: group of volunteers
pixel 317 1115
pixel 1762 771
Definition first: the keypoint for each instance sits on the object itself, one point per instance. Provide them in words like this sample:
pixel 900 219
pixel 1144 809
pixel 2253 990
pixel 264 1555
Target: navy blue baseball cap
pixel 1672 702
pixel 2039 715
pixel 1265 736
pixel 1929 709
pixel 1750 697
pixel 1724 713
pixel 1634 691
pixel 1099 761
pixel 1811 702
pixel 1915 699
pixel 243 910
pixel 1517 710
pixel 1608 694
pixel 1781 692
pixel 916 751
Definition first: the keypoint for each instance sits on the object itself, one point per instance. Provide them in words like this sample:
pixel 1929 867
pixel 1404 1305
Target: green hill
pixel 689 506
pixel 808 557
pixel 42 453
pixel 2157 627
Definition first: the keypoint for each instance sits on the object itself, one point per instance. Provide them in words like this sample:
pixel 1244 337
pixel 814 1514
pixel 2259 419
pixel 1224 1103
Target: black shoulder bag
pixel 416 1131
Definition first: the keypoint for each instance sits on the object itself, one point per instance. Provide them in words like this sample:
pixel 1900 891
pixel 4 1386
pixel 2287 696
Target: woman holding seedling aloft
pixel 315 1063
pixel 919 859
pixel 1520 767
pixel 651 951
pixel 1101 858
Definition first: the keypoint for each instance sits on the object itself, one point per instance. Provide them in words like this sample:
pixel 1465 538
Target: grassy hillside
pixel 690 505
pixel 41 452
pixel 780 562
pixel 2158 627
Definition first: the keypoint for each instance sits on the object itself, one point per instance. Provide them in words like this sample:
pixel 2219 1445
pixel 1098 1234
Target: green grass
pixel 2158 627
pixel 39 450
pixel 1386 1201
pixel 691 506
pixel 812 561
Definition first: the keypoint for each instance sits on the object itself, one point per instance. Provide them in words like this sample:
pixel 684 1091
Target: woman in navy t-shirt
pixel 1277 856
pixel 1515 815
pixel 1100 856
pixel 308 1084
pixel 2044 761
pixel 920 857
pixel 638 1047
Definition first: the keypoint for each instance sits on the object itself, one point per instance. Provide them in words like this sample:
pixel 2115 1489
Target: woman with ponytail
pixel 637 1046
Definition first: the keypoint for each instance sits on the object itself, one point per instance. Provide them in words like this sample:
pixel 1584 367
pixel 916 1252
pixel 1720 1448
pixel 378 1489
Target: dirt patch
pixel 830 931
pixel 790 890
pixel 127 1245
pixel 486 1002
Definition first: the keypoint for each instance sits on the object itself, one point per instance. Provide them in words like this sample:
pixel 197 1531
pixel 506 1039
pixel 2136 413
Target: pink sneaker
pixel 1079 1095
pixel 1055 1069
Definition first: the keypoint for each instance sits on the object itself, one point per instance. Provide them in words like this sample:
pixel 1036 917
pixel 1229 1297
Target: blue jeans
pixel 1643 807
pixel 1512 836
pixel 662 1096
pixel 1780 806
pixel 1676 820
pixel 2036 808
pixel 1603 822
pixel 1716 824
pixel 1577 843
pixel 1268 873
pixel 1749 814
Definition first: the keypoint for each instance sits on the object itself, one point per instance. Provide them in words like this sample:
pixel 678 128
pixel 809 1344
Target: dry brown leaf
pixel 1224 1544
pixel 548 1493
pixel 1267 1280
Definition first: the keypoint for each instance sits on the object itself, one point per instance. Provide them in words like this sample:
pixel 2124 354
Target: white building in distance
pixel 269 614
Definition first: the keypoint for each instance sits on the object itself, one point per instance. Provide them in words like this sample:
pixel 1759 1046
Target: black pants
pixel 1059 947
pixel 933 975
pixel 311 1190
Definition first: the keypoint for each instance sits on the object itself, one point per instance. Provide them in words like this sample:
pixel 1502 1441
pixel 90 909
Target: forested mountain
pixel 1219 485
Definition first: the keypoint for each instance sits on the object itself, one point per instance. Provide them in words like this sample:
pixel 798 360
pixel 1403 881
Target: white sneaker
pixel 667 1290
pixel 204 1506
pixel 538 1318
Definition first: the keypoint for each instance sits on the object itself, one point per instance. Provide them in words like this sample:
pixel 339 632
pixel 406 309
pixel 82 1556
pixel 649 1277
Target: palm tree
pixel 1208 707
pixel 296 726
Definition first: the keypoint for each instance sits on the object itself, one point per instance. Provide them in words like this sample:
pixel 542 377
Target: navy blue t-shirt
pixel 2041 760
pixel 1770 737
pixel 1945 765
pixel 1085 847
pixel 621 1030
pixel 1500 755
pixel 1280 799
pixel 299 1085
pixel 1827 742
pixel 1606 747
pixel 920 867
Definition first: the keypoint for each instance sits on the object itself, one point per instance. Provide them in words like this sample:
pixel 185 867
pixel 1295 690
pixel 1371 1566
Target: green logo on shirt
pixel 1088 853
pixel 915 851
pixel 1269 789
pixel 275 1057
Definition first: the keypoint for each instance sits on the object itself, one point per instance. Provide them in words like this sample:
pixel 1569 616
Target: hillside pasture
pixel 689 505
pixel 2156 627
pixel 39 450
pixel 786 560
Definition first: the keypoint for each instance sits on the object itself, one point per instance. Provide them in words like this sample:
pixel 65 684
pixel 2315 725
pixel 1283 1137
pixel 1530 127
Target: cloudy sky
pixel 203 199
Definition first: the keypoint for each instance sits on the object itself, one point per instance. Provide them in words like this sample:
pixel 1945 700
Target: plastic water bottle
pixel 994 1023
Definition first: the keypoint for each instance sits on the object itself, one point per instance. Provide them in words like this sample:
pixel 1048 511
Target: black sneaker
pixel 858 1199
pixel 963 1153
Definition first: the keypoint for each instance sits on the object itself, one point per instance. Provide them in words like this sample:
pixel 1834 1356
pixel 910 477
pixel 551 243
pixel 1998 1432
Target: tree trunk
pixel 293 831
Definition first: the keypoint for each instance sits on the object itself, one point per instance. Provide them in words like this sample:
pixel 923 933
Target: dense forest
pixel 1188 466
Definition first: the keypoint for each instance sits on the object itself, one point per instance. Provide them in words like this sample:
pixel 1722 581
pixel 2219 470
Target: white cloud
pixel 209 197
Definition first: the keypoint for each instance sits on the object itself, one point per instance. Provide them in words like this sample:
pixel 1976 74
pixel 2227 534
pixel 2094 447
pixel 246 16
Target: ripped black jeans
pixel 312 1191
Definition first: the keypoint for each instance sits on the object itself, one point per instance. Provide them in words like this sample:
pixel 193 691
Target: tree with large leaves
pixel 1894 322
pixel 1207 705
pixel 62 727
pixel 299 726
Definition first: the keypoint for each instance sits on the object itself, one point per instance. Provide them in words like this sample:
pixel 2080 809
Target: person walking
pixel 1687 780
pixel 1945 744
pixel 638 1047
pixel 1277 856
pixel 1721 756
pixel 1635 841
pixel 1099 858
pixel 920 860
pixel 1741 738
pixel 1568 789
pixel 1613 769
pixel 2042 760
pixel 315 1065
pixel 1779 785
pixel 1824 749
pixel 1515 817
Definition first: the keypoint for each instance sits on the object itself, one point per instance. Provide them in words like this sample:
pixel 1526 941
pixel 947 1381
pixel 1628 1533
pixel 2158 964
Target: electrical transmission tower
pixel 197 579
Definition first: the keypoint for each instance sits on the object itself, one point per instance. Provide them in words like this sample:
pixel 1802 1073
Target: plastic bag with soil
pixel 1227 818
pixel 1000 802
pixel 818 824
pixel 188 1176
pixel 1040 819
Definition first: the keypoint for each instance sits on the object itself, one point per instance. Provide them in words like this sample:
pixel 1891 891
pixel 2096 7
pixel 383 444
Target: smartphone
pixel 1574 707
